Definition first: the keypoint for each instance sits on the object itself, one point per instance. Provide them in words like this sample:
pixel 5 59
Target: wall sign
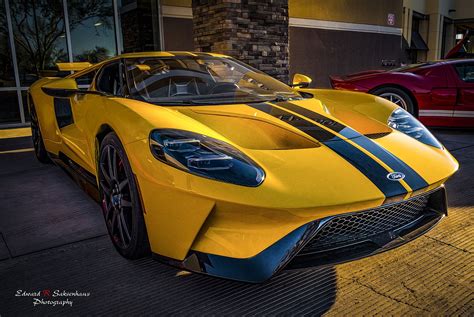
pixel 391 19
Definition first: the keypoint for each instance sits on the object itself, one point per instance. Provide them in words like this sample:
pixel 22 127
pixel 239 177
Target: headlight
pixel 204 156
pixel 404 122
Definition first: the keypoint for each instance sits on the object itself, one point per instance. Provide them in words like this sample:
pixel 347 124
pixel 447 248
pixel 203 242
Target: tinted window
pixel 465 72
pixel 92 29
pixel 411 67
pixel 40 37
pixel 201 79
pixel 85 81
pixel 6 66
pixel 109 80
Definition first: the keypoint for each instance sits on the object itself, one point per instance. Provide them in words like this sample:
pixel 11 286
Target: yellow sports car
pixel 214 167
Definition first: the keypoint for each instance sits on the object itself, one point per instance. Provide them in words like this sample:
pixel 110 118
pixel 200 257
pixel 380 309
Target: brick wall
pixel 255 32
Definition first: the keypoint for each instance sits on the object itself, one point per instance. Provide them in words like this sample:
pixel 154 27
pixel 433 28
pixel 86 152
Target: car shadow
pixel 291 292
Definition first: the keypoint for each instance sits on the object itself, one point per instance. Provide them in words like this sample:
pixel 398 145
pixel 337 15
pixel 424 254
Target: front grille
pixel 355 227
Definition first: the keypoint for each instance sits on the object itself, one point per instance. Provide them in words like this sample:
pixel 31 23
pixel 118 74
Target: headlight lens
pixel 404 122
pixel 205 156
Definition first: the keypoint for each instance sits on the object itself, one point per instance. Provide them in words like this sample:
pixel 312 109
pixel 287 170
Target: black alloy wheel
pixel 120 201
pixel 38 145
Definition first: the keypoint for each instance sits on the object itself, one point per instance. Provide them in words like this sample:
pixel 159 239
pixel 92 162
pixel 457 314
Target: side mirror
pixel 65 87
pixel 301 81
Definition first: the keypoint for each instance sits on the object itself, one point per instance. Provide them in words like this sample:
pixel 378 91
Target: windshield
pixel 411 67
pixel 201 80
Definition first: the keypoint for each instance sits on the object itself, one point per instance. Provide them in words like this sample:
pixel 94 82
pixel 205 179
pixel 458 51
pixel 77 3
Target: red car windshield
pixel 411 67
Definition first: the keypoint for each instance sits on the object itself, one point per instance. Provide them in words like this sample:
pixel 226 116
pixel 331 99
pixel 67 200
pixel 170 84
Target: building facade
pixel 280 37
pixel 324 37
pixel 36 34
pixel 431 28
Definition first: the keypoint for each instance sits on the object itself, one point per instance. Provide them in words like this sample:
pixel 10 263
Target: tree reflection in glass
pixel 6 66
pixel 40 35
pixel 93 39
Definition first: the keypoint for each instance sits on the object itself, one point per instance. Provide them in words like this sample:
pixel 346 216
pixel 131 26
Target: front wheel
pixel 121 206
pixel 397 96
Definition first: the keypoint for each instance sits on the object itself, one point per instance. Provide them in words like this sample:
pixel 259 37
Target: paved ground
pixel 52 238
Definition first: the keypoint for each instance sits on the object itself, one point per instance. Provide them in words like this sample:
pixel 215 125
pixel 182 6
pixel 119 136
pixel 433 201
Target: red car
pixel 439 93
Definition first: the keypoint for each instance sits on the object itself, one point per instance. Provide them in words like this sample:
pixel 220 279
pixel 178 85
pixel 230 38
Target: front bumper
pixel 329 240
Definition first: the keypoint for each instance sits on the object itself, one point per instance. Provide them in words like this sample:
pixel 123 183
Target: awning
pixel 417 42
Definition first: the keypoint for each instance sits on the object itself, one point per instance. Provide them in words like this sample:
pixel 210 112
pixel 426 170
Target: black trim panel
pixel 63 112
pixel 82 177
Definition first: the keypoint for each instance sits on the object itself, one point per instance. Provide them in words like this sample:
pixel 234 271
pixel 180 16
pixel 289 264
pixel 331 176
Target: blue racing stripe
pixel 370 168
pixel 367 166
pixel 412 178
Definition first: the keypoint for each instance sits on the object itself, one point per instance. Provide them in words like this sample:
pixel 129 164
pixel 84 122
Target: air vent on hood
pixel 254 133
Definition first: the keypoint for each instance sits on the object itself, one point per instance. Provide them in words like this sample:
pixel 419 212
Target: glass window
pixel 191 80
pixel 26 111
pixel 91 23
pixel 9 109
pixel 7 78
pixel 465 72
pixel 40 39
pixel 109 80
pixel 85 81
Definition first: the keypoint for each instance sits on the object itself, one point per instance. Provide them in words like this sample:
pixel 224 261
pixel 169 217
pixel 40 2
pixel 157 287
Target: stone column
pixel 253 31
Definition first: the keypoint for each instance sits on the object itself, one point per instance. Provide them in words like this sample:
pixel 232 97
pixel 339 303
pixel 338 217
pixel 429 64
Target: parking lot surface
pixel 52 237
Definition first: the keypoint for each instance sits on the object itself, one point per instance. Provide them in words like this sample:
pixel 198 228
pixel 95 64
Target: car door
pixel 76 136
pixel 437 110
pixel 463 115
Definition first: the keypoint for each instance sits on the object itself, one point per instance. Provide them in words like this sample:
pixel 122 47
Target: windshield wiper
pixel 250 98
pixel 281 98
pixel 176 103
pixel 225 101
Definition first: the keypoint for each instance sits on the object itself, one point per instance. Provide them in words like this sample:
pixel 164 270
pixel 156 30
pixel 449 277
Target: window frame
pixel 95 71
pixel 100 73
pixel 463 64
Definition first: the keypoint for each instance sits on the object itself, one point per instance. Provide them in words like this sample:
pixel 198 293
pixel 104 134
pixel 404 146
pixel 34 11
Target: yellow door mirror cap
pixel 301 81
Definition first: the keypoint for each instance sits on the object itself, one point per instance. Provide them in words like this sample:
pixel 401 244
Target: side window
pixel 109 80
pixel 85 81
pixel 465 72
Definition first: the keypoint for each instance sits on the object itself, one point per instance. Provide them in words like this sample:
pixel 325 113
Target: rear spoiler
pixel 73 66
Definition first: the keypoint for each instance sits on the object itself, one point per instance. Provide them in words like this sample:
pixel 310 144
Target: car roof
pixel 148 54
pixel 168 54
pixel 458 60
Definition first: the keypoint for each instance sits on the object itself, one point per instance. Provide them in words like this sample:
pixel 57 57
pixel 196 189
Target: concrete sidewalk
pixel 53 238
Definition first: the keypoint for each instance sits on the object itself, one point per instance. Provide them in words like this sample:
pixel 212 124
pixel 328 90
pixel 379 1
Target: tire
pixel 38 144
pixel 397 96
pixel 123 213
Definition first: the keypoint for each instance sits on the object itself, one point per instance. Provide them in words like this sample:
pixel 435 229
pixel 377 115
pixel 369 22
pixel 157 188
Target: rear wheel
pixel 120 201
pixel 40 149
pixel 397 96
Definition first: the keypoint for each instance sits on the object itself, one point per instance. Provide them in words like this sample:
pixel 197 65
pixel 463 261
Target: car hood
pixel 342 134
pixel 313 151
pixel 288 125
